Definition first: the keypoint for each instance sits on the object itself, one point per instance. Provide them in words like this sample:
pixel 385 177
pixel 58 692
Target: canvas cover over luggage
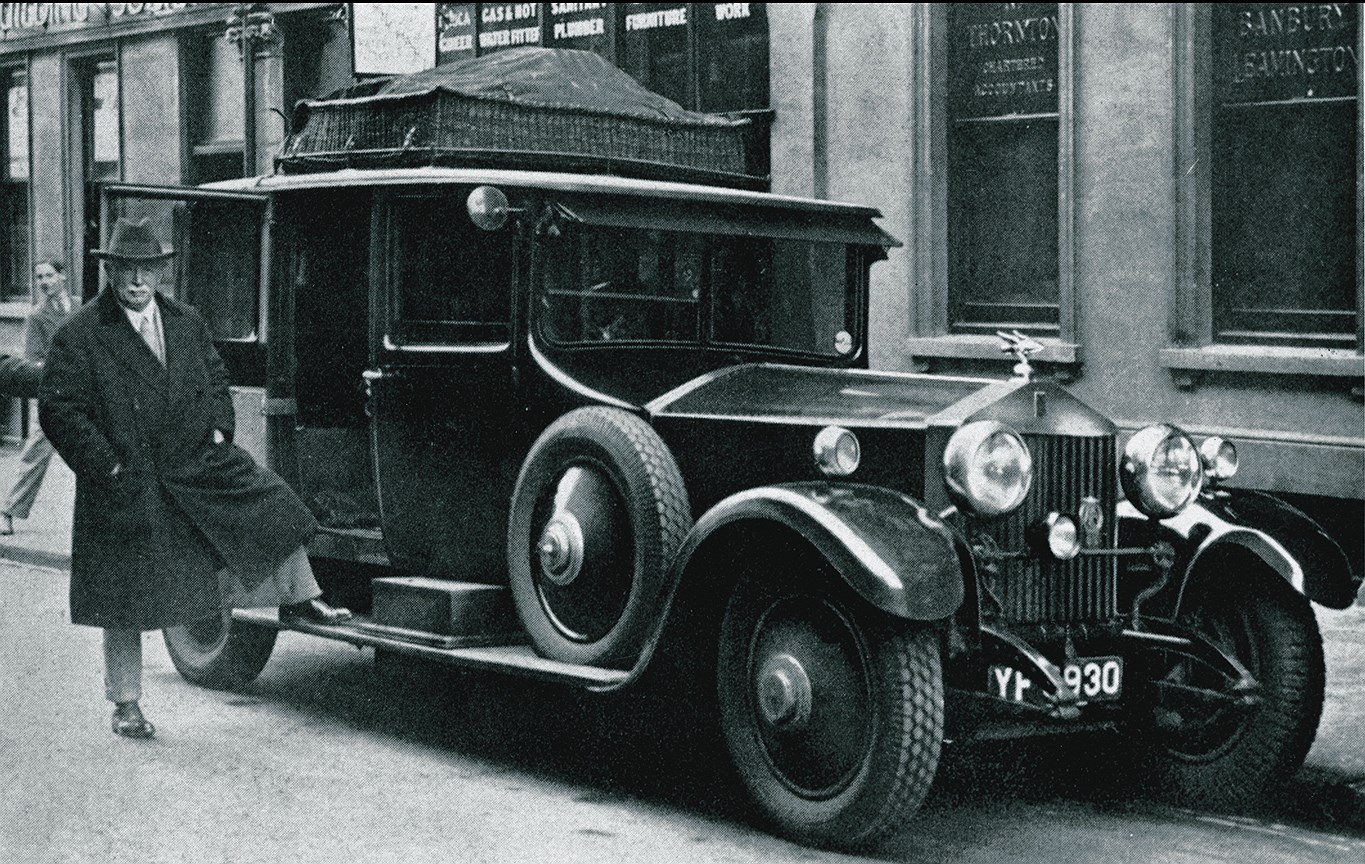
pixel 537 108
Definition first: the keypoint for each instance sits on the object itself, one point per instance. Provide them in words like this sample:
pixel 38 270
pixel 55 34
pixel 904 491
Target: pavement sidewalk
pixel 1331 784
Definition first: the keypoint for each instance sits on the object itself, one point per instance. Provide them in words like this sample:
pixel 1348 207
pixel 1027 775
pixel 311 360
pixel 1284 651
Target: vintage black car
pixel 572 426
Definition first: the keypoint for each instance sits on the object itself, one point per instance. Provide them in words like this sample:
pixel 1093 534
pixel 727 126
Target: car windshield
pixel 606 284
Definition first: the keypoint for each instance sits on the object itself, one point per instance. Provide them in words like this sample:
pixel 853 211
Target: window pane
pixel 451 281
pixel 217 264
pixel 784 294
pixel 16 125
pixel 104 120
pixel 654 50
pixel 624 286
pixel 1002 166
pixel 1284 152
pixel 222 112
pixel 14 279
pixel 222 275
pixel 732 55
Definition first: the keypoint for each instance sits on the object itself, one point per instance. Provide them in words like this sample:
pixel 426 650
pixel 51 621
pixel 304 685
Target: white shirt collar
pixel 135 318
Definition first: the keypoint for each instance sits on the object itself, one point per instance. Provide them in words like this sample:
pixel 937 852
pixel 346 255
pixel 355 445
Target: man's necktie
pixel 149 336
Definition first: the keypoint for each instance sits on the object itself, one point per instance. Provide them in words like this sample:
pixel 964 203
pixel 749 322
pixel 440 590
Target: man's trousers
pixel 292 581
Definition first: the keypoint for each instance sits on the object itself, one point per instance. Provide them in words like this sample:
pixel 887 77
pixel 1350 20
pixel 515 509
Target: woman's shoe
pixel 6 525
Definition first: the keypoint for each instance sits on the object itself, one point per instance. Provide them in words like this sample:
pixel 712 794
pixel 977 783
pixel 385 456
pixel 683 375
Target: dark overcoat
pixel 148 539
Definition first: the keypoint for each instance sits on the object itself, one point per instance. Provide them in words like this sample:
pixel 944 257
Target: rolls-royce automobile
pixel 575 427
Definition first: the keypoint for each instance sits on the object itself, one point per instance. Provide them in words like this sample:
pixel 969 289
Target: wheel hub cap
pixel 784 692
pixel 561 549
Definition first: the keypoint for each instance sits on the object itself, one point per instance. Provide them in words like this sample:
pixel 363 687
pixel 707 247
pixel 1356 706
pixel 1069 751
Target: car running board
pixel 509 659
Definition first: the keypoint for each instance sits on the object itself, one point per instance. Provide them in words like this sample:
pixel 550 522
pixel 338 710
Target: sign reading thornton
pixel 1002 59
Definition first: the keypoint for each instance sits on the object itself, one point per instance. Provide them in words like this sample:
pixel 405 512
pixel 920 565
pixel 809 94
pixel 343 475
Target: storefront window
pixel 104 114
pixel 14 216
pixel 216 99
pixel 654 43
pixel 1003 87
pixel 1285 150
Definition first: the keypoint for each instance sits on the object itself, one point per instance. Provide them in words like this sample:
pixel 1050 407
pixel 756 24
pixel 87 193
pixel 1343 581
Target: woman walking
pixel 53 308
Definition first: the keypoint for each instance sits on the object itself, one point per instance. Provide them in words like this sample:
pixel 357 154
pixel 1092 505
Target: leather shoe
pixel 314 611
pixel 129 722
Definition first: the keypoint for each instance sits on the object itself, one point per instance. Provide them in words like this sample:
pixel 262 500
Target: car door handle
pixel 371 375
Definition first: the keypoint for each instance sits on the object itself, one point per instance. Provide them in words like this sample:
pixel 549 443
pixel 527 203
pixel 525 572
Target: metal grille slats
pixel 1085 589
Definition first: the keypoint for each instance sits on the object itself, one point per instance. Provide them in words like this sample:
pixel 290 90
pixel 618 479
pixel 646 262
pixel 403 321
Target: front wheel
pixel 218 652
pixel 1208 749
pixel 833 714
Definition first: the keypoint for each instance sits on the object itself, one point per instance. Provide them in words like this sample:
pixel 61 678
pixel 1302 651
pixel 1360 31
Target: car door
pixel 446 432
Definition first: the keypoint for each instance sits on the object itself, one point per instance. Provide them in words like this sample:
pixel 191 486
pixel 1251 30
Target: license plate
pixel 1092 679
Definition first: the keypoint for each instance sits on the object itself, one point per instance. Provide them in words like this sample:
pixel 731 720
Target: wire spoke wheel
pixel 1207 748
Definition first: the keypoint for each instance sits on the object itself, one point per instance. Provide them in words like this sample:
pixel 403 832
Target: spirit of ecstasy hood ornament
pixel 1022 347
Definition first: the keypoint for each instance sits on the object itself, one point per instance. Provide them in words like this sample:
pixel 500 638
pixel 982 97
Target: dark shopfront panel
pixel 1003 86
pixel 1285 148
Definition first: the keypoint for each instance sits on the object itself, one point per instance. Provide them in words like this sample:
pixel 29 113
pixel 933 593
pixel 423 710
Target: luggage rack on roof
pixel 534 108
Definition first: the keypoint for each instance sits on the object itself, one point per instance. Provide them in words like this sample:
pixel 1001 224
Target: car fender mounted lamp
pixel 1056 538
pixel 1219 456
pixel 837 451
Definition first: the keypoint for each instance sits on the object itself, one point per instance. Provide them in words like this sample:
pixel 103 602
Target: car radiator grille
pixel 1084 589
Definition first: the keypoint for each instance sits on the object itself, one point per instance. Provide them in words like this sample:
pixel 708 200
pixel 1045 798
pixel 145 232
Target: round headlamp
pixel 1219 456
pixel 1161 471
pixel 837 452
pixel 987 468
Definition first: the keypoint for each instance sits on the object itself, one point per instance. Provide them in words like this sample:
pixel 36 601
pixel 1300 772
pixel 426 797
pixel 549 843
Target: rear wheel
pixel 218 652
pixel 833 713
pixel 1209 748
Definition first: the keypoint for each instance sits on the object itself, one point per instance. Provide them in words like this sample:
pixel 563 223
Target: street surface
pixel 327 759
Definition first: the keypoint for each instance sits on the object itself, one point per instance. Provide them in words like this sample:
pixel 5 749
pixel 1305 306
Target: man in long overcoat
pixel 135 399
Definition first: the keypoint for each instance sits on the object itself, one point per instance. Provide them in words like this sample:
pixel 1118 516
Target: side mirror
pixel 487 206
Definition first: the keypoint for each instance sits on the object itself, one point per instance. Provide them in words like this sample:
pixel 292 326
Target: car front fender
pixel 885 545
pixel 1288 541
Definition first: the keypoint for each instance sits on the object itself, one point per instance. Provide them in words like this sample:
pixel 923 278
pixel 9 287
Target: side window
pixel 786 294
pixel 624 286
pixel 449 282
pixel 223 267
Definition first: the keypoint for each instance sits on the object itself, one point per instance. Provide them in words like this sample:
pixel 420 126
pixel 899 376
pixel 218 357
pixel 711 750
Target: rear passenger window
pixel 615 285
pixel 449 281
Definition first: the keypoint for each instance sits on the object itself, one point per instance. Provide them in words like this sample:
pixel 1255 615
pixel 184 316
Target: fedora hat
pixel 133 241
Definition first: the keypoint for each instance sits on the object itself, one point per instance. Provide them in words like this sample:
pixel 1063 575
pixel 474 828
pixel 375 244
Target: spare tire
pixel 598 515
